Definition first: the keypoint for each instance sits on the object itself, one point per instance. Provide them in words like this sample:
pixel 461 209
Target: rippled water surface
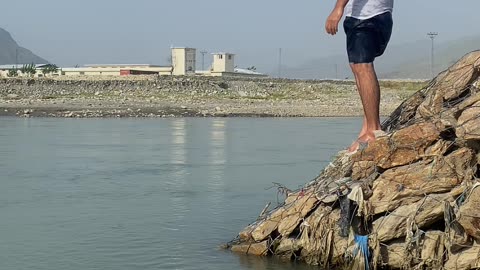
pixel 149 194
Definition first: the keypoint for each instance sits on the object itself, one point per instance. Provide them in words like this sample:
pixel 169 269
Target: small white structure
pixel 223 63
pixel 184 61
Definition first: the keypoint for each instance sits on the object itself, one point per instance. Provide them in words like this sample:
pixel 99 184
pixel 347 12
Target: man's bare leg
pixel 364 124
pixel 369 90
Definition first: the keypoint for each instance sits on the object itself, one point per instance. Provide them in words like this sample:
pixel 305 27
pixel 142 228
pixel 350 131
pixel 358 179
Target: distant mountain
pixel 11 53
pixel 406 61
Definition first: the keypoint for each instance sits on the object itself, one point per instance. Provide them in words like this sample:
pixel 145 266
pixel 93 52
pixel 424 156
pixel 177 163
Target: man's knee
pixel 362 68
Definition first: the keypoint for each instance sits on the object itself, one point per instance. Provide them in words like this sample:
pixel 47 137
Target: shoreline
pixel 190 97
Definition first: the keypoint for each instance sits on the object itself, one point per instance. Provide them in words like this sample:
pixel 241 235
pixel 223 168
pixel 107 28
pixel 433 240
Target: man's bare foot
pixel 367 137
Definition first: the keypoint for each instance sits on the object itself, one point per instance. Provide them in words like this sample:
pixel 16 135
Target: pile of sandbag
pixel 410 199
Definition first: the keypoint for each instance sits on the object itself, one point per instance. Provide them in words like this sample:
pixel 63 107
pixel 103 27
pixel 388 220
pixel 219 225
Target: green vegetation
pixel 13 72
pixel 29 69
pixel 403 85
pixel 49 69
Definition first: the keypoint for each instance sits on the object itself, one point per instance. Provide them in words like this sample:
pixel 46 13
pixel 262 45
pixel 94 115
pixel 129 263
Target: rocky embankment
pixel 409 200
pixel 188 96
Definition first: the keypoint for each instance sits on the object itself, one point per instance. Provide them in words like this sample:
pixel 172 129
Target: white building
pixel 184 61
pixel 223 62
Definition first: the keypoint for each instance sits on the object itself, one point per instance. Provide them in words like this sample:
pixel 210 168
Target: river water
pixel 149 194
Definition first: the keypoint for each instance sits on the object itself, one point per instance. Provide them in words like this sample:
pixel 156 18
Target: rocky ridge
pixel 409 200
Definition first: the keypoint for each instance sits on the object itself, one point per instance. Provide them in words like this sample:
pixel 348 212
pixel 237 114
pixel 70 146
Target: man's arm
pixel 332 22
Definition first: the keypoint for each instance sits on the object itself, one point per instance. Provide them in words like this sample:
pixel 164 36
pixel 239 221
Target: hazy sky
pixel 141 31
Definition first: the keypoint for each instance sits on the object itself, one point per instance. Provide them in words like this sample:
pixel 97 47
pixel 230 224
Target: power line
pixel 280 63
pixel 203 58
pixel 432 36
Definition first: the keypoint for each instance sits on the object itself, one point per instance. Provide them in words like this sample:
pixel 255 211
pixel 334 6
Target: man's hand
pixel 333 20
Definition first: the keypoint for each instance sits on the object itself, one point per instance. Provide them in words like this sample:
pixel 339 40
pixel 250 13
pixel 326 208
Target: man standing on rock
pixel 368 26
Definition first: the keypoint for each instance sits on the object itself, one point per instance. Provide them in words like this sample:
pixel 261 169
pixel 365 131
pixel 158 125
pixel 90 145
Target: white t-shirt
pixel 366 9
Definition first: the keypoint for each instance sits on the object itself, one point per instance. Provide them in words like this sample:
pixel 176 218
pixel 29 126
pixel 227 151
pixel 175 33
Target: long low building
pixel 116 70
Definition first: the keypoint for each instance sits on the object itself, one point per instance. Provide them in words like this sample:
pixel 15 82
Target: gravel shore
pixel 190 97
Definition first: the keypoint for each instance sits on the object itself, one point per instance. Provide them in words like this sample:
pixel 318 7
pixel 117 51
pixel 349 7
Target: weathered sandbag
pixel 288 247
pixel 392 254
pixel 468 126
pixel 450 85
pixel 433 249
pixel 469 214
pixel 405 112
pixel 425 212
pixel 320 240
pixel 455 236
pixel 286 218
pixel 465 259
pixel 257 249
pixel 409 184
pixel 400 148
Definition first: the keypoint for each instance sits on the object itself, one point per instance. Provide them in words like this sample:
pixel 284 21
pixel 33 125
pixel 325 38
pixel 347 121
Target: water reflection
pixel 178 159
pixel 178 142
pixel 216 181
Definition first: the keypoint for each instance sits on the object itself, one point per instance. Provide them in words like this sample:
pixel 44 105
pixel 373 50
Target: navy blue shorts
pixel 367 39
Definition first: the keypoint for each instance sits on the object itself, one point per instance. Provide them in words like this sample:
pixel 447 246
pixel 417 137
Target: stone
pixel 287 246
pixel 449 85
pixel 257 249
pixel 466 259
pixel 339 168
pixel 409 184
pixel 469 214
pixel 459 76
pixel 286 218
pixel 295 214
pixel 246 233
pixel 455 236
pixel 404 113
pixel 438 149
pixel 468 126
pixel 320 238
pixel 433 249
pixel 363 169
pixel 424 213
pixel 392 254
pixel 468 102
pixel 400 148
pixel 12 96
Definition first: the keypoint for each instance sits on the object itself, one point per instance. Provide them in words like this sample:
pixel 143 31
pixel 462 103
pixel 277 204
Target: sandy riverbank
pixel 202 97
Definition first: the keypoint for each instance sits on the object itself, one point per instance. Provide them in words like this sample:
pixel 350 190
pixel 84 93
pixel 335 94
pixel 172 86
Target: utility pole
pixel 432 36
pixel 280 63
pixel 16 57
pixel 203 58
